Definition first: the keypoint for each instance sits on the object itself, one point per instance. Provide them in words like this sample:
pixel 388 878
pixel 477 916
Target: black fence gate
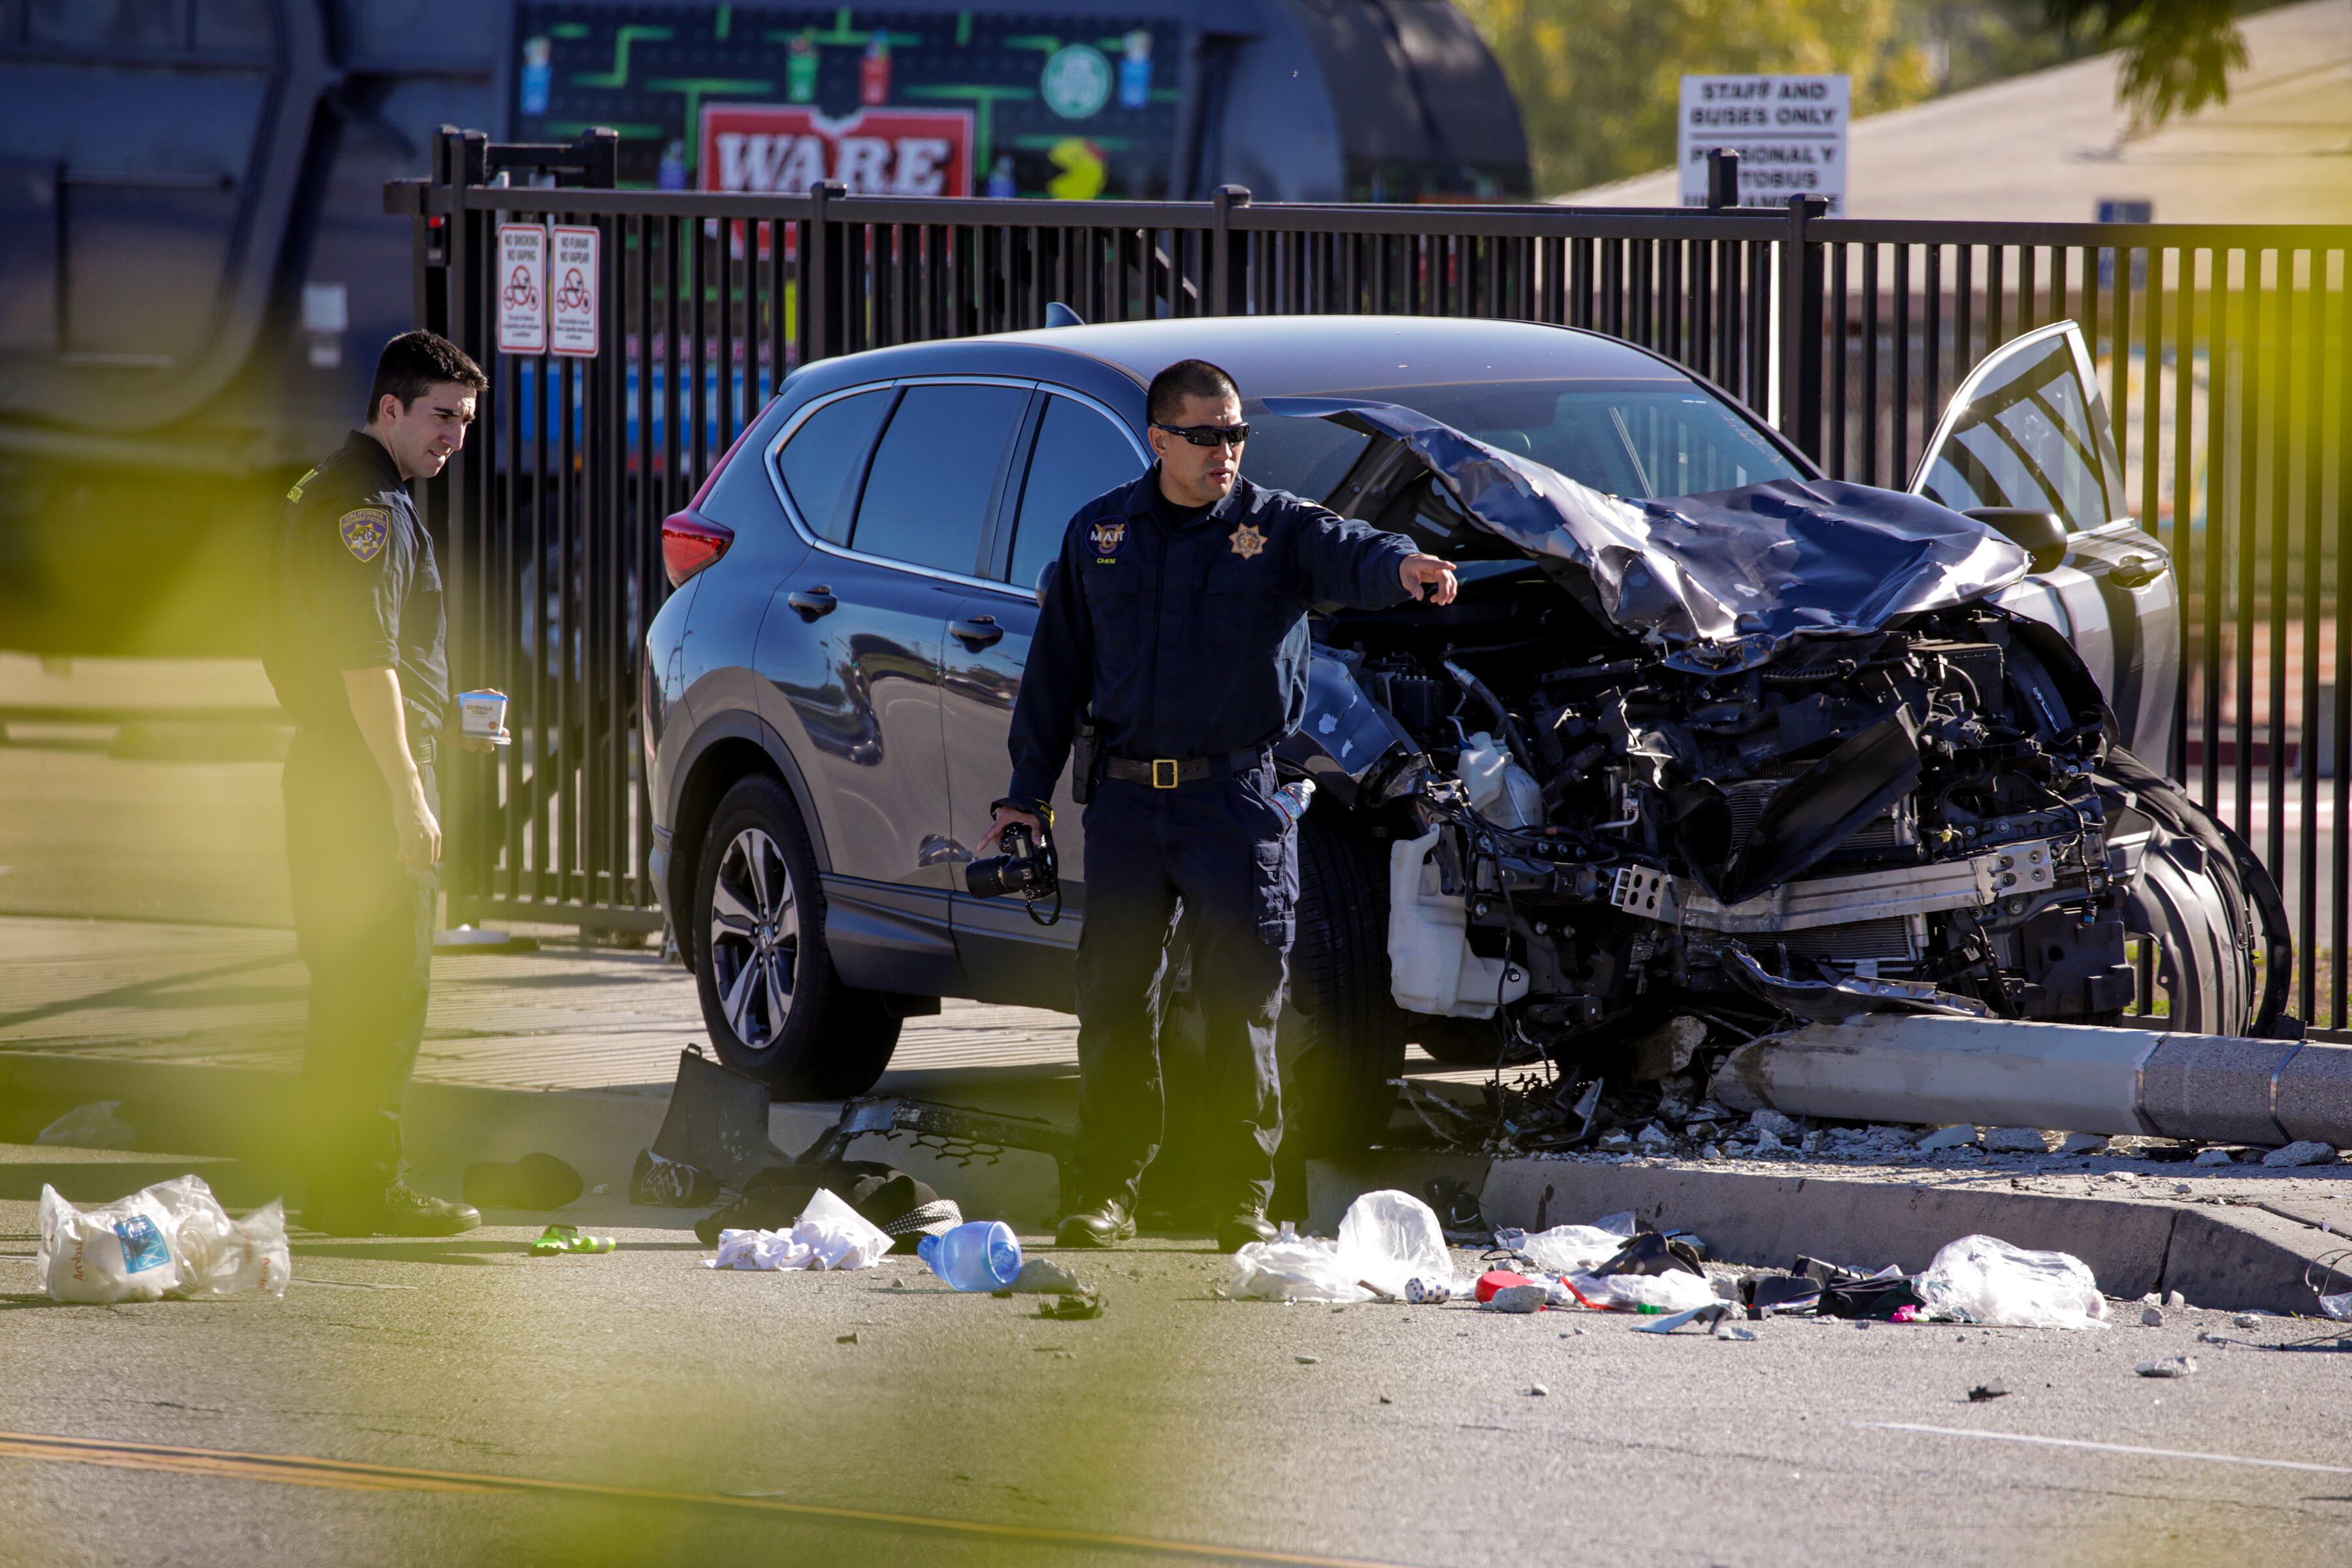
pixel 2224 352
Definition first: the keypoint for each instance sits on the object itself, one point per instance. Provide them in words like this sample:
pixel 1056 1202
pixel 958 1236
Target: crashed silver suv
pixel 1705 734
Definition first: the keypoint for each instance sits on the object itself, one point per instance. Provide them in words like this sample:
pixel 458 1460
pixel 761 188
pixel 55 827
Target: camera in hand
pixel 1025 870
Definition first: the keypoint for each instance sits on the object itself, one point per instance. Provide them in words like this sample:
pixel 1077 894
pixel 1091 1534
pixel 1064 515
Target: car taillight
pixel 690 542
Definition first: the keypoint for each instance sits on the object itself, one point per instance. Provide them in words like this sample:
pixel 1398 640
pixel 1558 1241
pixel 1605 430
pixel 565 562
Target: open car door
pixel 2028 429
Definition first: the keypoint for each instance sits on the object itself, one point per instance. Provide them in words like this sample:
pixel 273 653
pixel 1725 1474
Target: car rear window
pixel 823 455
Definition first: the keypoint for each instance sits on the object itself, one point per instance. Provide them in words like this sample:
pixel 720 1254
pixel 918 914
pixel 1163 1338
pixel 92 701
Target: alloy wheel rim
pixel 755 938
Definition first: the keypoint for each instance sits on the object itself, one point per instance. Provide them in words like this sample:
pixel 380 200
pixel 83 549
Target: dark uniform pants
pixel 1224 848
pixel 364 921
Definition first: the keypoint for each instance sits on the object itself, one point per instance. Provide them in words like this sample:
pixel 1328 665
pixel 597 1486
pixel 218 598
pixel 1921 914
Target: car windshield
pixel 1639 440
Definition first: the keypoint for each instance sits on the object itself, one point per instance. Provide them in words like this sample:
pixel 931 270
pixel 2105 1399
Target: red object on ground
pixel 1496 1280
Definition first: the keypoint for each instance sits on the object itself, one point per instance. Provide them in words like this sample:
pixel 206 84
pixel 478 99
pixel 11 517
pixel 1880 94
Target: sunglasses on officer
pixel 1207 434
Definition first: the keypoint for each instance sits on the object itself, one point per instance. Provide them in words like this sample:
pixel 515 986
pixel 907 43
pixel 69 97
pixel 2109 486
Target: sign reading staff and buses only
pixel 1789 131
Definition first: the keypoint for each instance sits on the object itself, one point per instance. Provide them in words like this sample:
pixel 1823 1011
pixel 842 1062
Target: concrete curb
pixel 2240 1259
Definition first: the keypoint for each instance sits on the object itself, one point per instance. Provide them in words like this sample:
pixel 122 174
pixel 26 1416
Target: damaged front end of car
pixel 1754 755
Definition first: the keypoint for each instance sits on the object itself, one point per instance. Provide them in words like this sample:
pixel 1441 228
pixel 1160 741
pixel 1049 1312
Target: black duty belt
pixel 1167 772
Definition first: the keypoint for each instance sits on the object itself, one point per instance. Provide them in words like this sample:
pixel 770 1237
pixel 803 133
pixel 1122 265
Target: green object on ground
pixel 557 1239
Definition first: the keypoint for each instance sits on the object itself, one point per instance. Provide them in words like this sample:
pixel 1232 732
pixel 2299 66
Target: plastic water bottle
pixel 979 1255
pixel 1293 796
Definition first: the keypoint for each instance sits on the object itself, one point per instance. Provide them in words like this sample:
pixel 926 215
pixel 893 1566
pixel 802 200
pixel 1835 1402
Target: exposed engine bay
pixel 1609 791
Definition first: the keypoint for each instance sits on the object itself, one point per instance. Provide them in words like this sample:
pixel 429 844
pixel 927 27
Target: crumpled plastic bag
pixel 91 1126
pixel 1676 1290
pixel 1564 1248
pixel 828 1234
pixel 171 1239
pixel 1984 1280
pixel 1386 1239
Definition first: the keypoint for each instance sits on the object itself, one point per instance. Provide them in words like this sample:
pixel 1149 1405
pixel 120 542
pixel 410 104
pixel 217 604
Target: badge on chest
pixel 1247 541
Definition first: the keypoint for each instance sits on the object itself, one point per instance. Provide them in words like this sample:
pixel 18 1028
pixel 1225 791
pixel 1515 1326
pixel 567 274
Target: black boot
pixel 1103 1223
pixel 1242 1225
pixel 398 1210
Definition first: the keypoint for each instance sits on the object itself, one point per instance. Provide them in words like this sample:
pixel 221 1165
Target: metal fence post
pixel 1229 253
pixel 1801 327
pixel 821 277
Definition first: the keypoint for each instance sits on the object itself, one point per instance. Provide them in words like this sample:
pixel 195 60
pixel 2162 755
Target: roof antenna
pixel 1060 315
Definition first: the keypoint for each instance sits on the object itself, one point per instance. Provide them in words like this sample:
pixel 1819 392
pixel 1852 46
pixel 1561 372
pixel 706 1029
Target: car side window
pixel 820 462
pixel 1079 455
pixel 2027 439
pixel 934 475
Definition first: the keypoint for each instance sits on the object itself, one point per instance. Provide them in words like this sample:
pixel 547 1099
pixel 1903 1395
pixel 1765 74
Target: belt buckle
pixel 1163 772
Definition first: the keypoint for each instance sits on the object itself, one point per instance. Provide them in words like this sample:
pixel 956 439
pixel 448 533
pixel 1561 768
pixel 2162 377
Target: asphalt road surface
pixel 463 1403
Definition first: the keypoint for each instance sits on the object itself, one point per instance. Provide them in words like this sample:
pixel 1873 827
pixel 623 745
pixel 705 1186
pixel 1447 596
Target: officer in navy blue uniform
pixel 1176 618
pixel 353 641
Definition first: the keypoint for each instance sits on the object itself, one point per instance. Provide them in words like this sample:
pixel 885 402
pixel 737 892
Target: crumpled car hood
pixel 1718 581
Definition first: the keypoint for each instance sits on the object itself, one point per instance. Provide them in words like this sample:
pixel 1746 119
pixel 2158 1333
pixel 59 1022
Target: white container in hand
pixel 482 716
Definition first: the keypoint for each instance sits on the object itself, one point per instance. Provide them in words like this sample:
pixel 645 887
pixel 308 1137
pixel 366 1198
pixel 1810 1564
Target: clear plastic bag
pixel 1564 1248
pixel 1674 1292
pixel 1387 1240
pixel 1984 1280
pixel 171 1239
pixel 828 1234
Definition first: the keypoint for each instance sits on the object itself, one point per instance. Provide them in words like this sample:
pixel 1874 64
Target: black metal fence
pixel 2224 353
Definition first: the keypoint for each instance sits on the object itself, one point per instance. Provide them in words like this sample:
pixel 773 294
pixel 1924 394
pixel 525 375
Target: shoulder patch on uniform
pixel 364 530
pixel 302 484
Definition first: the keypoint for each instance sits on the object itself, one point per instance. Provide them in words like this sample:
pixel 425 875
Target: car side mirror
pixel 2039 534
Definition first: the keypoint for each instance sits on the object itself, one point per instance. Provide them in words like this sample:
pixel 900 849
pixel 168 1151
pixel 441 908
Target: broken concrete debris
pixel 2170 1366
pixel 2303 1152
pixel 1962 1136
pixel 2015 1141
pixel 2213 1157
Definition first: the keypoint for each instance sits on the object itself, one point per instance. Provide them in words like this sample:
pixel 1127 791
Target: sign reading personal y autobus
pixel 1074 102
pixel 1789 131
pixel 782 148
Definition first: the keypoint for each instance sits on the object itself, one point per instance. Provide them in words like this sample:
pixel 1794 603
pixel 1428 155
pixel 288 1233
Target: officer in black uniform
pixel 353 642
pixel 1177 615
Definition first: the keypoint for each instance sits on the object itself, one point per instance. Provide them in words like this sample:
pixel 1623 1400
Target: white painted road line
pixel 2106 1447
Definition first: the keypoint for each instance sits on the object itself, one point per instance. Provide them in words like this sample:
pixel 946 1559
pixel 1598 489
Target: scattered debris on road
pixel 559 1239
pixel 670 1184
pixel 2170 1366
pixel 979 1255
pixel 828 1235
pixel 1072 1309
pixel 172 1239
pixel 1987 1391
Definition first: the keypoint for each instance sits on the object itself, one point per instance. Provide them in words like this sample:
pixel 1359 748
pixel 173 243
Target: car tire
pixel 776 1008
pixel 2207 905
pixel 1346 1033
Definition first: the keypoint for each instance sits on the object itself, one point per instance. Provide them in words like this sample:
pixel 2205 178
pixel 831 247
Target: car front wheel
pixel 775 1007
